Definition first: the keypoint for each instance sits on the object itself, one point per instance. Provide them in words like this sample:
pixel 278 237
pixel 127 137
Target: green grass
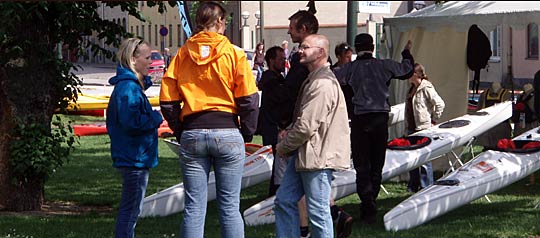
pixel 89 180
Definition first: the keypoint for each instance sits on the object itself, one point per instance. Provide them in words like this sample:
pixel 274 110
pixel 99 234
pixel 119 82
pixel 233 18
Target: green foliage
pixel 32 34
pixel 37 150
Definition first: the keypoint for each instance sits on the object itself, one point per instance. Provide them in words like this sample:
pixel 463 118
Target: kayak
pixel 101 129
pixel 438 140
pixel 486 173
pixel 257 169
pixel 92 102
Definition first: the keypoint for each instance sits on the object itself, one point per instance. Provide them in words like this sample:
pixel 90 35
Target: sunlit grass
pixel 89 180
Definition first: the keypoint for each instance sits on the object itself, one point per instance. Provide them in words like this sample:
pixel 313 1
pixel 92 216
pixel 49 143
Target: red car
pixel 157 66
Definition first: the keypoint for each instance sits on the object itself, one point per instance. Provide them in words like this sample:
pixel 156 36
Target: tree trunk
pixel 6 187
pixel 20 196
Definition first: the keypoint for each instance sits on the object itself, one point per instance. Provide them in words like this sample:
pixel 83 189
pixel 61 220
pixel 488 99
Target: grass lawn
pixel 82 200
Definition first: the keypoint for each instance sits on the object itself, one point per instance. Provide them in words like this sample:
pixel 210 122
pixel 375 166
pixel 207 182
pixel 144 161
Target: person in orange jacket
pixel 212 79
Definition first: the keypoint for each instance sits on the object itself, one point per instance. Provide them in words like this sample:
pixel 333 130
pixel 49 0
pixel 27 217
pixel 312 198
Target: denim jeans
pixel 316 185
pixel 420 177
pixel 259 74
pixel 134 181
pixel 224 149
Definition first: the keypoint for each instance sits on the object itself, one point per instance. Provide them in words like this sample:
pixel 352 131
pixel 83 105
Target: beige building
pixel 271 15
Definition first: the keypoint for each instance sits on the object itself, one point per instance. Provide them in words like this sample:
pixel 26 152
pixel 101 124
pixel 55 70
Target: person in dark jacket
pixel 132 126
pixel 369 79
pixel 274 94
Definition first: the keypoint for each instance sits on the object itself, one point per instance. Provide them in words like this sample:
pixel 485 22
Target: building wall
pixel 332 16
pixel 149 30
pixel 524 68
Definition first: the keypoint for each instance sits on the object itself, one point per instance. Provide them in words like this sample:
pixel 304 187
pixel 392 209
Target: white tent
pixel 439 36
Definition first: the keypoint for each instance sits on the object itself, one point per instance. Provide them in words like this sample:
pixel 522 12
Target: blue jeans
pixel 420 177
pixel 134 181
pixel 224 149
pixel 259 74
pixel 316 185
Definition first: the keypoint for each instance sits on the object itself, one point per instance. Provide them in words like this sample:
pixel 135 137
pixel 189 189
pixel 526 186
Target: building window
pixel 131 30
pixel 170 35
pixel 495 43
pixel 137 31
pixel 124 23
pixel 142 32
pixel 149 34
pixel 155 34
pixel 532 41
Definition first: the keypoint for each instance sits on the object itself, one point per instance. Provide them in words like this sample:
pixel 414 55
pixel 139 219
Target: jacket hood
pixel 126 74
pixel 424 84
pixel 205 46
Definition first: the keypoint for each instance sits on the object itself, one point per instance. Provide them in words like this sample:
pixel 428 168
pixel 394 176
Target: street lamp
pixel 245 30
pixel 258 16
pixel 245 16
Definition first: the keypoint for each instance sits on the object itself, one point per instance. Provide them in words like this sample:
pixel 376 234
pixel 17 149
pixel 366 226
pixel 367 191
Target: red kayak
pixel 101 129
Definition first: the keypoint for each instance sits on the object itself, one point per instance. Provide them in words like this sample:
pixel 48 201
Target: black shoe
pixel 369 219
pixel 344 224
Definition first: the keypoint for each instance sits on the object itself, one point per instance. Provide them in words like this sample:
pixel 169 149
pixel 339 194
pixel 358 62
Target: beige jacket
pixel 427 105
pixel 320 131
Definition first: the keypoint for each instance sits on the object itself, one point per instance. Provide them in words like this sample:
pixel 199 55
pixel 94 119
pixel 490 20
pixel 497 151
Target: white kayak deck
pixel 443 140
pixel 486 173
pixel 257 169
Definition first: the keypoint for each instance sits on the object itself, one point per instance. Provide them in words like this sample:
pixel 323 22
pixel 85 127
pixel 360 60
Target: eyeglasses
pixel 305 47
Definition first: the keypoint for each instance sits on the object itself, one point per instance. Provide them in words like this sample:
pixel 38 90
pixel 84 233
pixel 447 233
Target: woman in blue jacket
pixel 132 126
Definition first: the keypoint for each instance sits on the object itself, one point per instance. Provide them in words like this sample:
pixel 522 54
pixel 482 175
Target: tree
pixel 34 83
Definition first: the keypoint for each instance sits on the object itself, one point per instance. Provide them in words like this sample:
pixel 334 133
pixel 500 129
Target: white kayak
pixel 397 114
pixel 263 212
pixel 441 140
pixel 257 169
pixel 486 173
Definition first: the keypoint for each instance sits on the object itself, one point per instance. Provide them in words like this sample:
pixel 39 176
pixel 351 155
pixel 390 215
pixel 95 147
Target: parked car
pixel 156 67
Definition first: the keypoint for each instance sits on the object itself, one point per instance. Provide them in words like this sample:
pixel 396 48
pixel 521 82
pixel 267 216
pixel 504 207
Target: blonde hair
pixel 207 15
pixel 129 49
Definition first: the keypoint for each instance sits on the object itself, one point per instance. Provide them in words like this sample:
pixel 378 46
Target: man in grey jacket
pixel 319 137
pixel 369 78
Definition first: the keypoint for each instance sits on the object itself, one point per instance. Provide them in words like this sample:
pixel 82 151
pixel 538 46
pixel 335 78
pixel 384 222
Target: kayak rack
pixel 468 148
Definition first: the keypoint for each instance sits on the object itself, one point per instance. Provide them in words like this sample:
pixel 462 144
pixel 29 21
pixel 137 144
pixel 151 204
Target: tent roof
pixel 462 14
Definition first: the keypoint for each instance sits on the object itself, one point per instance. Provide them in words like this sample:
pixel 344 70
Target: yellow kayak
pixel 91 102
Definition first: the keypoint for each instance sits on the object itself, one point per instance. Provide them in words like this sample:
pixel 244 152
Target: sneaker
pixel 344 225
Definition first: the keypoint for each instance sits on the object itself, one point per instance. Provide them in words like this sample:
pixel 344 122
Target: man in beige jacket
pixel 319 137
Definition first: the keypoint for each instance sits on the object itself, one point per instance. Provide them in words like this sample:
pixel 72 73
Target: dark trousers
pixel 369 135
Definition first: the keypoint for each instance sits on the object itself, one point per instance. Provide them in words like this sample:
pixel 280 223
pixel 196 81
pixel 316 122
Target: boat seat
pixel 517 146
pixel 408 143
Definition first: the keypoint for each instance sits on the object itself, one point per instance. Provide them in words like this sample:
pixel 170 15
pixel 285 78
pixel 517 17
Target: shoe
pixel 344 224
pixel 369 219
pixel 307 236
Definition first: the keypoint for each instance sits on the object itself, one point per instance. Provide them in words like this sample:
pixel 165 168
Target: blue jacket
pixel 131 123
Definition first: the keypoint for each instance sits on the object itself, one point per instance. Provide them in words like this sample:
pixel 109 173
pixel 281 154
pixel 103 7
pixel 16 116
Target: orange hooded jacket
pixel 210 74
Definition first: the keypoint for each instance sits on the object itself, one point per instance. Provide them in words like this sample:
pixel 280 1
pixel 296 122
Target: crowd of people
pixel 316 116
